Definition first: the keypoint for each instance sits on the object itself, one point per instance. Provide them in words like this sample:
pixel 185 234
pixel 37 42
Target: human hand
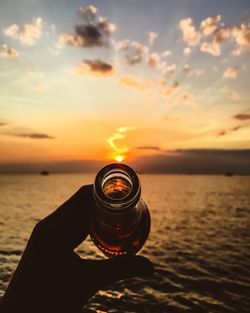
pixel 51 277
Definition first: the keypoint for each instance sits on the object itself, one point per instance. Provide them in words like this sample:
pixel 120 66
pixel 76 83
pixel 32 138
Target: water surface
pixel 199 241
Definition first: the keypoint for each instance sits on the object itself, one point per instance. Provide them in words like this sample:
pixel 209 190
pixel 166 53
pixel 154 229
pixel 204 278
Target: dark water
pixel 199 241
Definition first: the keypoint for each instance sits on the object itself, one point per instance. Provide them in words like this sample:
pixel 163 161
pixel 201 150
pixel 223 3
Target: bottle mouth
pixel 117 186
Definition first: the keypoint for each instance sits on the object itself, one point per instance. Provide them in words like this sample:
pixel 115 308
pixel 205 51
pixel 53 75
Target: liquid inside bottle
pixel 120 221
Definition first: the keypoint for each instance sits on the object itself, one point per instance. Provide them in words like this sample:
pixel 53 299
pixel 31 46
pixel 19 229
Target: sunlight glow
pixel 119 158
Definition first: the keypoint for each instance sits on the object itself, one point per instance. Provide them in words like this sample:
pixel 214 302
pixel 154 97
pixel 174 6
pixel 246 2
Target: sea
pixel 199 241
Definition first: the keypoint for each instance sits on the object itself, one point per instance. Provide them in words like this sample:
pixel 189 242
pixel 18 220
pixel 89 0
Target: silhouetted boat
pixel 44 173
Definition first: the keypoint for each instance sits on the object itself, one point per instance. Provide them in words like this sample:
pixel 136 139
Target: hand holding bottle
pixel 51 277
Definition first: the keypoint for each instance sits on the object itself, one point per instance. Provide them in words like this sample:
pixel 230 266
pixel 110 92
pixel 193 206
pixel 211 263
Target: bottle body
pixel 120 220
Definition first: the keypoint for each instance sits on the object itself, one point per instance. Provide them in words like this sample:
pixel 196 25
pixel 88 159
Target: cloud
pixel 242 35
pixel 213 28
pixel 218 38
pixel 209 25
pixel 166 53
pixel 30 135
pixel 95 68
pixel 192 72
pixel 131 82
pixel 153 59
pixel 95 31
pixel 241 116
pixel 180 161
pixel 120 134
pixel 231 72
pixel 148 148
pixel 186 98
pixel 134 51
pixel 230 130
pixel 151 38
pixel 27 34
pixel 167 69
pixel 196 161
pixel 189 33
pixel 234 95
pixel 3 124
pixel 170 90
pixel 7 52
pixel 211 48
pixel 187 51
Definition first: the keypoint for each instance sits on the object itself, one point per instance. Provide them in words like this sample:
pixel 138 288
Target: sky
pixel 161 85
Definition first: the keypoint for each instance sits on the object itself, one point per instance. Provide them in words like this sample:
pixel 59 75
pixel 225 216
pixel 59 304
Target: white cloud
pixel 192 72
pixel 135 51
pixel 28 34
pixel 242 35
pixel 187 51
pixel 210 25
pixel 167 69
pixel 166 53
pixel 151 38
pixel 189 33
pixel 211 48
pixel 218 39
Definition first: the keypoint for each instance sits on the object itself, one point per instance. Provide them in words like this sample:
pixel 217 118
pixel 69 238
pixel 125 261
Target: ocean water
pixel 199 240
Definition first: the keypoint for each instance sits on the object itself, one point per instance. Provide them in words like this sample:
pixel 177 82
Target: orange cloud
pixel 28 34
pixel 231 72
pixel 95 68
pixel 153 59
pixel 128 81
pixel 7 52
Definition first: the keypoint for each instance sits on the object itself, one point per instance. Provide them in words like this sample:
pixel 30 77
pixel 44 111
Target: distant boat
pixel 44 173
pixel 229 174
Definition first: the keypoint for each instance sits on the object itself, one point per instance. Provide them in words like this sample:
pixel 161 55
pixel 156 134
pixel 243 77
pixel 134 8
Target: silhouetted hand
pixel 51 277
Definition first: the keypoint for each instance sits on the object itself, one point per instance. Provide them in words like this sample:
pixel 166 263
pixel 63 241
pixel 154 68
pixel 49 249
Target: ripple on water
pixel 199 241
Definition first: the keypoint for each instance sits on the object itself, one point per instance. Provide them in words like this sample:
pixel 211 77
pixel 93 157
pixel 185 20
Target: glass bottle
pixel 120 221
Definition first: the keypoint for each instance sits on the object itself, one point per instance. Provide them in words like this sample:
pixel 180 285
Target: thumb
pixel 110 270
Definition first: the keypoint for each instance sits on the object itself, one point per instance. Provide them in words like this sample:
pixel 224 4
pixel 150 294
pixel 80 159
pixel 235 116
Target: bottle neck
pixel 117 189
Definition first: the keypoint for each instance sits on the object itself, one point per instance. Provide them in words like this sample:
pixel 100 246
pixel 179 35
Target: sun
pixel 119 158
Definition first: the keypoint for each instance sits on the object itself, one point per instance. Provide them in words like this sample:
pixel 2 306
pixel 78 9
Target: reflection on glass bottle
pixel 120 222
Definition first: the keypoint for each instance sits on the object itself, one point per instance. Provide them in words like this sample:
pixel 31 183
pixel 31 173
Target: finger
pixel 68 226
pixel 110 270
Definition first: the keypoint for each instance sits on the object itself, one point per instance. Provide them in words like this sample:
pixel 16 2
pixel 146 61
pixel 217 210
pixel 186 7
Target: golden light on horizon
pixel 119 158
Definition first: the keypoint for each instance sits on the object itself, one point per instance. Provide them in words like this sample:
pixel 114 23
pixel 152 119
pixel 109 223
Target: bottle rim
pixel 116 204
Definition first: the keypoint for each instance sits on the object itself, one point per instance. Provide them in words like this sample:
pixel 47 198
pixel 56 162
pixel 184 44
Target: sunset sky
pixel 149 82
